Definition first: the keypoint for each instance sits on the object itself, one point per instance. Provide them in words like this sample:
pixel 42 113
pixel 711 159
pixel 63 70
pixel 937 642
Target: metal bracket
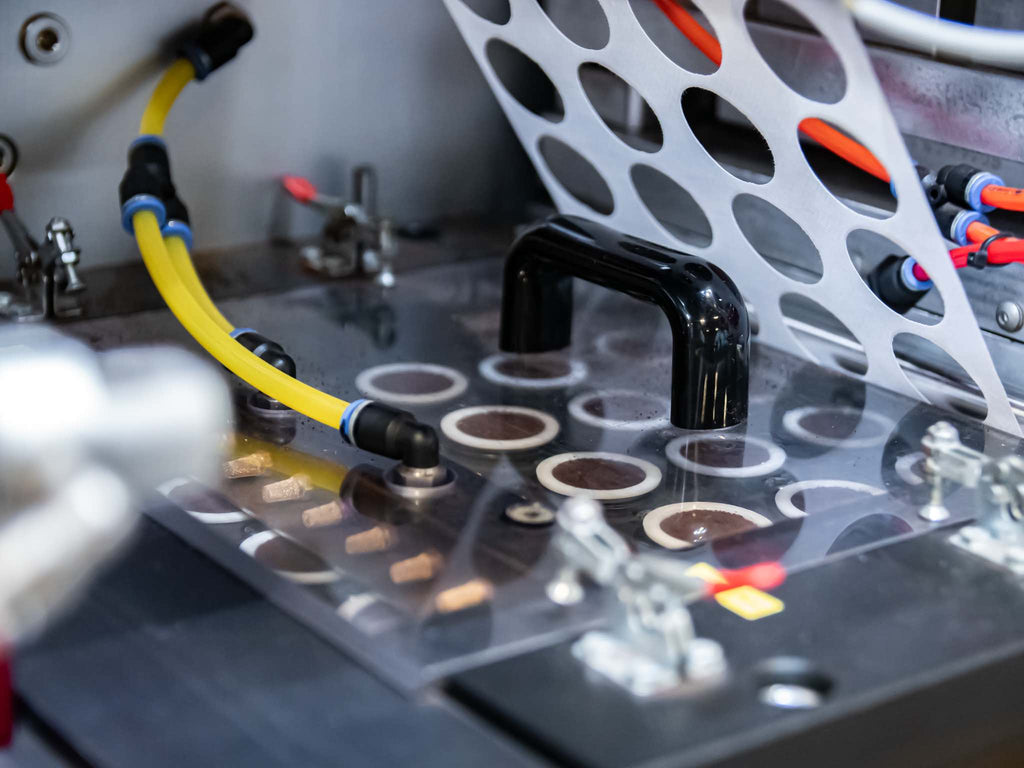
pixel 651 648
pixel 998 533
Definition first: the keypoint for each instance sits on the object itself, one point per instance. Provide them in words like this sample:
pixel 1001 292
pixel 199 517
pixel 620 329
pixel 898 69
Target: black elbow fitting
pixel 963 185
pixel 893 282
pixel 396 434
pixel 267 350
pixel 223 33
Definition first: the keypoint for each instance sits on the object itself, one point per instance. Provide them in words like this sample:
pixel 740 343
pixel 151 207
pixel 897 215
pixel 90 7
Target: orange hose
pixel 1007 198
pixel 979 233
pixel 836 142
pixel 695 33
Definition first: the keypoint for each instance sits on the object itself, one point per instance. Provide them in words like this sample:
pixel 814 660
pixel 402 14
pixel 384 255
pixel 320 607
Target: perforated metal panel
pixel 746 81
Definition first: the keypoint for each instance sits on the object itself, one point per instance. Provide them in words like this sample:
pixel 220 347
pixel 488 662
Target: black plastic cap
pixel 396 434
pixel 887 284
pixel 218 41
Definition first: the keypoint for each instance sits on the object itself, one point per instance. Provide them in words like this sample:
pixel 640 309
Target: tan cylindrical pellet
pixel 423 567
pixel 253 465
pixel 325 514
pixel 376 539
pixel 289 489
pixel 464 596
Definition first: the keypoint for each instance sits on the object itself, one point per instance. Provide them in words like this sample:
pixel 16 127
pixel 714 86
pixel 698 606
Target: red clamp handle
pixel 299 188
pixel 6 195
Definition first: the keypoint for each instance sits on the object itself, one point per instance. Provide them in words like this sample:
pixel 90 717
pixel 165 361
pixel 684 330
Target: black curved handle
pixel 710 332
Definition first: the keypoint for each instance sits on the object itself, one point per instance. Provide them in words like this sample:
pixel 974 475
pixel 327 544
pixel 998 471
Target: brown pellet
pixel 253 465
pixel 423 567
pixel 464 596
pixel 378 539
pixel 289 489
pixel 325 514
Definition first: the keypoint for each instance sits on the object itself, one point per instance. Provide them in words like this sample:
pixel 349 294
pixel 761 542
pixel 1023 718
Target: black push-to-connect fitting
pixel 149 173
pixel 395 434
pixel 265 349
pixel 894 283
pixel 222 34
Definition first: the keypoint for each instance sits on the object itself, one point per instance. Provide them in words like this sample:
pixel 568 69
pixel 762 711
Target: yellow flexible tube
pixel 178 75
pixel 300 397
pixel 177 251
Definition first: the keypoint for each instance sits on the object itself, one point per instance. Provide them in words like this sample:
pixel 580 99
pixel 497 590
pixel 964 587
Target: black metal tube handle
pixel 710 331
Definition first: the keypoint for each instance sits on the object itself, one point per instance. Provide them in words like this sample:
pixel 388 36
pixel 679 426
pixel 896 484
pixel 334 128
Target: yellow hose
pixel 180 74
pixel 300 397
pixel 177 251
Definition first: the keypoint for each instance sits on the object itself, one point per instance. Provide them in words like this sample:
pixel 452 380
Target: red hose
pixel 835 141
pixel 1007 198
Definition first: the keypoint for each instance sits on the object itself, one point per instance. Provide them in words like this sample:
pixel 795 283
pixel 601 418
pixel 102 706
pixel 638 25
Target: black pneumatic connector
pixel 267 350
pixel 396 434
pixel 893 282
pixel 149 170
pixel 223 32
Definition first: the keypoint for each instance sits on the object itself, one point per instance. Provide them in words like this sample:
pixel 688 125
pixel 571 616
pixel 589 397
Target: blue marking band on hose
pixel 147 138
pixel 138 203
pixel 975 186
pixel 176 228
pixel 909 279
pixel 239 331
pixel 348 414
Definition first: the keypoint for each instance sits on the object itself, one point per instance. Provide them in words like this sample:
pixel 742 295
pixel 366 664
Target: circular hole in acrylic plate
pixel 577 175
pixel 822 334
pixel 795 50
pixel 868 249
pixel 728 135
pixel 854 187
pixel 524 80
pixel 669 40
pixel 495 11
pixel 621 107
pixel 672 206
pixel 582 21
pixel 778 239
pixel 939 378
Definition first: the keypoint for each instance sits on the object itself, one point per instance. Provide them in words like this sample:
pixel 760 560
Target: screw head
pixel 1010 316
pixel 45 38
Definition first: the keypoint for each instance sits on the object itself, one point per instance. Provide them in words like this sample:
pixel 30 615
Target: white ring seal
pixel 654 518
pixel 578 412
pixel 364 383
pixel 784 497
pixel 254 542
pixel 489 370
pixel 776 456
pixel 545 474
pixel 791 421
pixel 450 428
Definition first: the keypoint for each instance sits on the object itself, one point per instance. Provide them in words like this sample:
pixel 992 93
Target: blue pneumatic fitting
pixel 975 186
pixel 964 219
pixel 137 203
pixel 239 331
pixel 147 138
pixel 176 228
pixel 348 417
pixel 910 279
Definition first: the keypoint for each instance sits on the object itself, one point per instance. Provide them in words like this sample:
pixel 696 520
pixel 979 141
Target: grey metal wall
pixel 325 85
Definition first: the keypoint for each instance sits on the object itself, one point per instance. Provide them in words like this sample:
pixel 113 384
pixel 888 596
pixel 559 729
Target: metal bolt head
pixel 1010 316
pixel 45 38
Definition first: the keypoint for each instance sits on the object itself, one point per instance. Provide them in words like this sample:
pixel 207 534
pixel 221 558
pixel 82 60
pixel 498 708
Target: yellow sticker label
pixel 705 572
pixel 750 602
